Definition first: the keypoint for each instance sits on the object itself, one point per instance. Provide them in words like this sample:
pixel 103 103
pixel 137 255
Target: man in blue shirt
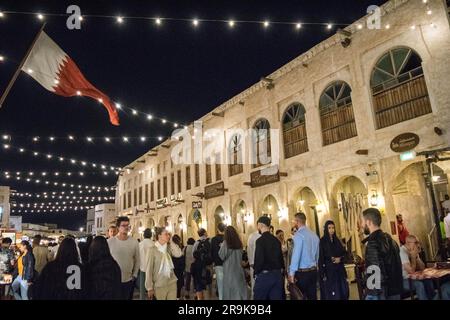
pixel 305 257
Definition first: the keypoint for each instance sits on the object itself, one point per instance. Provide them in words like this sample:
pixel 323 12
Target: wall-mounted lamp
pixel 374 199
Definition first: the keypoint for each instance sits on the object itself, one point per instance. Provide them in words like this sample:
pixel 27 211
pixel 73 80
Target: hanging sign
pixel 405 142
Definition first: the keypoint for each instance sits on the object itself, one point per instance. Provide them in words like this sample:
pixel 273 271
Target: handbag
pixel 295 292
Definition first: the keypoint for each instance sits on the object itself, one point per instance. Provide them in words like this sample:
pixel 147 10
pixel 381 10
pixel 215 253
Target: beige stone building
pixel 337 107
pixel 5 193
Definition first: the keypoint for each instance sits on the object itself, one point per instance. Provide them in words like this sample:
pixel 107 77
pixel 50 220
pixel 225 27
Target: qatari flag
pixel 49 65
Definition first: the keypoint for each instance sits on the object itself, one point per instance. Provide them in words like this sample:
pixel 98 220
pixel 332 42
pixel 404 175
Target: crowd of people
pixel 271 267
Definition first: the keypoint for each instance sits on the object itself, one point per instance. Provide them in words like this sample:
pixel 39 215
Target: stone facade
pixel 327 182
pixel 105 215
pixel 4 207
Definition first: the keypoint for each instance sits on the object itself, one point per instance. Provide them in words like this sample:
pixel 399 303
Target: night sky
pixel 173 71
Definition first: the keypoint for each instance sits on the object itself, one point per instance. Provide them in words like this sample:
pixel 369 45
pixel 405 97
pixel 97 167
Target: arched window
pixel 398 88
pixel 261 143
pixel 235 156
pixel 336 113
pixel 294 131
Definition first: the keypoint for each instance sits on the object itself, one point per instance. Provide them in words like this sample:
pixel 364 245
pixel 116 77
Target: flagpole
pixel 16 74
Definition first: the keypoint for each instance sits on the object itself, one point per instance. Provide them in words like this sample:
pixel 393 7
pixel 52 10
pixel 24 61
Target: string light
pixel 298 26
pixel 2 58
pixel 359 26
pixel 67 193
pixel 329 26
pixel 195 22
pixel 388 26
pixel 56 183
pixel 60 158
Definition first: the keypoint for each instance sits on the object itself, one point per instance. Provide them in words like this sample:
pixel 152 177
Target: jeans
pixel 142 290
pixel 268 286
pixel 307 283
pixel 127 289
pixel 20 288
pixel 219 280
pixel 424 288
pixel 382 296
pixel 187 285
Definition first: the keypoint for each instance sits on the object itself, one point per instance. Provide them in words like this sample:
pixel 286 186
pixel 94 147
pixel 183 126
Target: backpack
pixel 202 254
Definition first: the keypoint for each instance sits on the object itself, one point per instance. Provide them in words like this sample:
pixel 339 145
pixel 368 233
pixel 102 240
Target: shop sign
pixel 214 190
pixel 196 204
pixel 258 179
pixel 405 142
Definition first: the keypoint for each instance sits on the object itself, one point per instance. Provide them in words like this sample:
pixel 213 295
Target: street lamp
pixel 81 229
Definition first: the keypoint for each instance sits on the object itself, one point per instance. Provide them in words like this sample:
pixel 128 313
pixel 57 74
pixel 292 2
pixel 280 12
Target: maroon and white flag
pixel 49 65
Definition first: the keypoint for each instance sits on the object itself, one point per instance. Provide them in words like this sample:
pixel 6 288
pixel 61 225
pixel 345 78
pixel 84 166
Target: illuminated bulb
pixel 163 120
pixel 73 161
pixel 2 14
pixel 175 125
pixel 100 100
pixel 83 163
pixel 149 117
pixel 35 139
pixel 143 138
pixel 61 159
pixel 35 154
pixel 5 137
pixel 360 26
pixel 119 19
pixel 425 1
pixel 388 26
pixel 298 26
pixel 40 16
pixel 158 21
pixel 107 139
pixel 160 138
pixel 80 18
pixel 52 138
pixel 49 156
pixel 329 26
pixel 429 12
pixel 118 106
pixel 78 93
pixel 71 138
pixel 2 58
pixel 89 139
pixel 231 23
pixel 30 70
pixel 195 22
pixel 56 81
pixel 413 27
pixel 125 139
pixel 266 24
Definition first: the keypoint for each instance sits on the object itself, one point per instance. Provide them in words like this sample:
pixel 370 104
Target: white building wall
pixel 322 168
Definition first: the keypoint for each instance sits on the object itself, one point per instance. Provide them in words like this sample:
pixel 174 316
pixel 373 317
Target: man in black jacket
pixel 383 264
pixel 269 264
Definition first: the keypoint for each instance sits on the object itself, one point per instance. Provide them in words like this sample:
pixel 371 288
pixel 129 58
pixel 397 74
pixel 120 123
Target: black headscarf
pixel 330 245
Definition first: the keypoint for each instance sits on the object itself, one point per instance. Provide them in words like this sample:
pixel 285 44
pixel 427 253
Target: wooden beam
pixel 247 184
pixel 283 174
pixel 219 114
pixel 167 146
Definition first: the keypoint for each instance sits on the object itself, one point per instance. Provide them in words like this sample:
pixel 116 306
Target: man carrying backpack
pixel 202 260
pixel 383 264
